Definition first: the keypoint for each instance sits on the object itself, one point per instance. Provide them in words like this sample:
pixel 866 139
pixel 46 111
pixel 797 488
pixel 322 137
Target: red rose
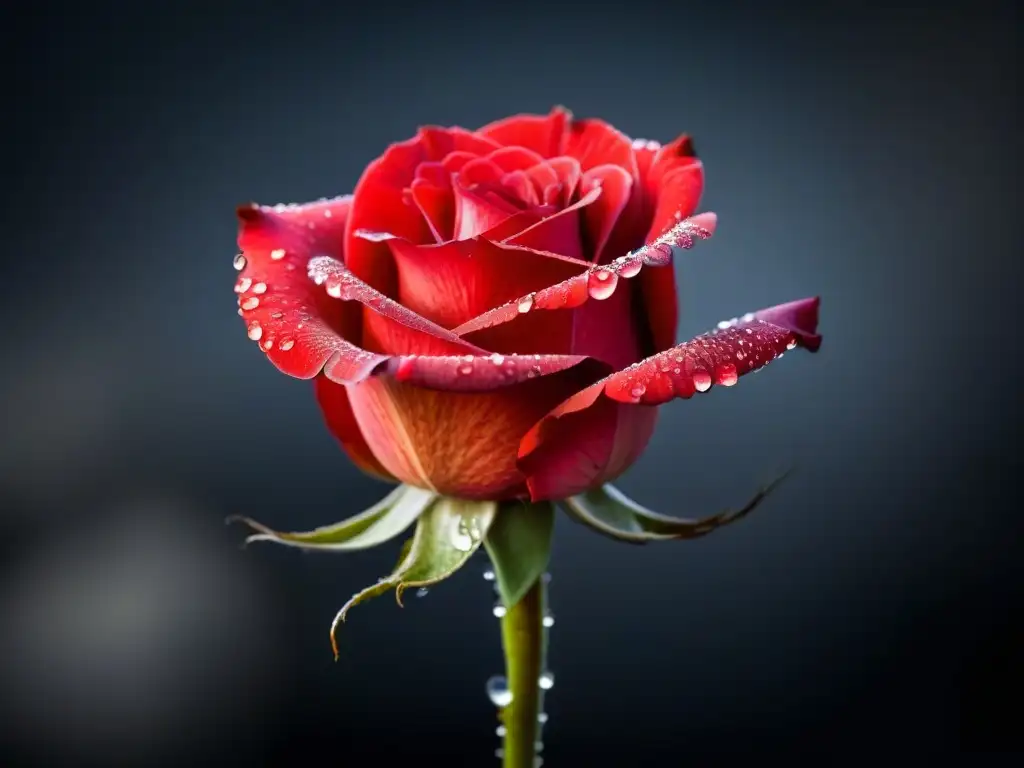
pixel 475 313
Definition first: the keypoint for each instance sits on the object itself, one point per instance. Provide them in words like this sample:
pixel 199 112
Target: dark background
pixel 870 607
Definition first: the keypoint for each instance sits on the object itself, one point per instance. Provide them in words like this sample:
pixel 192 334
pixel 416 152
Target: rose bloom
pixel 492 313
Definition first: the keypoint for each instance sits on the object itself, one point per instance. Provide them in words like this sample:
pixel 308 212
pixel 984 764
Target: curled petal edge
pixel 718 358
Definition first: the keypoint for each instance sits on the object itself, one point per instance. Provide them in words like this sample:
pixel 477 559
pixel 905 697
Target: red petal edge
pixel 737 347
pixel 289 312
pixel 598 282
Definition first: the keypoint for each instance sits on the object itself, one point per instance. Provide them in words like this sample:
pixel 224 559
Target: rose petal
pixel 429 338
pixel 558 465
pixel 513 158
pixel 459 443
pixel 598 282
pixel 594 142
pixel 544 134
pixel 379 202
pixel 478 208
pixel 672 185
pixel 568 171
pixel 600 218
pixel 437 206
pixel 560 232
pixel 337 411
pixel 477 373
pixel 452 282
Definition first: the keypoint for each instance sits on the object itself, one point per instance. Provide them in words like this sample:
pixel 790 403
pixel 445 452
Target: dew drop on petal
pixel 725 374
pixel 462 537
pixel 497 358
pixel 250 303
pixel 243 284
pixel 286 344
pixel 254 331
pixel 267 344
pixel 499 610
pixel 277 254
pixel 546 681
pixel 259 288
pixel 465 369
pixel 791 344
pixel 748 318
pixel 701 380
pixel 630 266
pixel 601 283
pixel 637 391
pixel 526 304
pixel 239 262
pixel 498 692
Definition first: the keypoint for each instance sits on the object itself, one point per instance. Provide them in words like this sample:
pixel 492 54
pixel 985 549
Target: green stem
pixel 523 637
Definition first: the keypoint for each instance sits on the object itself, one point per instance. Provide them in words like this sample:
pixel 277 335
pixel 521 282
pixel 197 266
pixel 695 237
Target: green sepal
pixel 382 522
pixel 611 513
pixel 519 545
pixel 447 534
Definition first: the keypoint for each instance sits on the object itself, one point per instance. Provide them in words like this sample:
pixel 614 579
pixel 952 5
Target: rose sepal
pixel 447 534
pixel 385 520
pixel 611 513
pixel 519 546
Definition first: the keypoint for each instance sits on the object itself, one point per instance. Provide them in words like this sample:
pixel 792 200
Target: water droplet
pixel 463 538
pixel 267 344
pixel 546 578
pixel 422 592
pixel 254 331
pixel 546 681
pixel 499 610
pixel 497 358
pixel 250 303
pixel 637 391
pixel 500 731
pixel 277 254
pixel 533 373
pixel 748 318
pixel 601 283
pixel 259 288
pixel 725 374
pixel 630 266
pixel 466 368
pixel 791 344
pixel 243 284
pixel 548 620
pixel 526 304
pixel 327 213
pixel 498 692
pixel 739 355
pixel 701 380
pixel 542 718
pixel 239 262
pixel 287 344
pixel 489 575
pixel 538 746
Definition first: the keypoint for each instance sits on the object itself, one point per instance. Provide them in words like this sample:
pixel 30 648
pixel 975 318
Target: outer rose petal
pixel 459 444
pixel 337 411
pixel 544 134
pixel 558 464
pixel 672 183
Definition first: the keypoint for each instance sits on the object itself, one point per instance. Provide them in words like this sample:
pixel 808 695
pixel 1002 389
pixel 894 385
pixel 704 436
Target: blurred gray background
pixel 871 605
